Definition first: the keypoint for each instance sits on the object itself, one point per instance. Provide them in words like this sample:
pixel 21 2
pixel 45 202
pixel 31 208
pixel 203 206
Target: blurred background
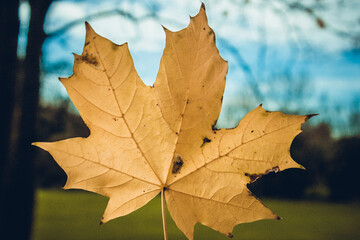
pixel 299 57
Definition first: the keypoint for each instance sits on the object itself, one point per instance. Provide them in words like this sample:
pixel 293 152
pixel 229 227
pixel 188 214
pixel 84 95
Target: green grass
pixel 76 215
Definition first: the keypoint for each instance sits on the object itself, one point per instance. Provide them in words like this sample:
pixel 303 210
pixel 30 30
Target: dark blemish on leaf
pixel 200 108
pixel 230 235
pixel 187 101
pixel 213 126
pixel 222 98
pixel 89 59
pixel 252 131
pixel 211 32
pixel 274 169
pixel 115 119
pixel 268 111
pixel 144 125
pixel 253 177
pixel 177 164
pixel 203 28
pixel 182 115
pixel 260 105
pixel 114 46
pixel 101 222
pixel 278 218
pixel 87 43
pixel 205 140
pixel 203 86
pixel 164 189
pixel 176 133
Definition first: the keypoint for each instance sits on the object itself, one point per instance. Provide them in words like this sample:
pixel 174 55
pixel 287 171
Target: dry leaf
pixel 145 140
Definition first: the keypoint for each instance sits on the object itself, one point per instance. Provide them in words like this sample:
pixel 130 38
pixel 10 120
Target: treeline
pixel 331 164
pixel 331 168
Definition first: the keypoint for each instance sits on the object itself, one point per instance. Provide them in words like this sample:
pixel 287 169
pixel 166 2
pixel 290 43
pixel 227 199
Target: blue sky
pixel 329 63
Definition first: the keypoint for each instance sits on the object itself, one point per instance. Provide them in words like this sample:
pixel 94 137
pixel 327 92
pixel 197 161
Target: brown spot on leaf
pixel 205 140
pixel 89 59
pixel 177 164
pixel 274 169
pixel 114 46
pixel 230 235
pixel 253 177
pixel 213 126
pixel 211 32
pixel 87 43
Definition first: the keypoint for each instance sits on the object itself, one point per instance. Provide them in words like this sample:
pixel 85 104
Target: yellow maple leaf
pixel 146 140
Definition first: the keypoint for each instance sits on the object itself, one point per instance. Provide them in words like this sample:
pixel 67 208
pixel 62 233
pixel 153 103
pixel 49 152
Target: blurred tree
pixel 343 177
pixel 17 190
pixel 9 31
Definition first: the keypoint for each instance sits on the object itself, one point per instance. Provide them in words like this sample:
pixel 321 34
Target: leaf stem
pixel 163 214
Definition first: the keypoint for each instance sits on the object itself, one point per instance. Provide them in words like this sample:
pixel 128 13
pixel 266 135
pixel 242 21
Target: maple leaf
pixel 146 140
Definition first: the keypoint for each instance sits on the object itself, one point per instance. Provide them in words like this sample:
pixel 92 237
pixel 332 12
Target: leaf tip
pixel 301 167
pixel 307 117
pixel 88 26
pixel 278 217
pixel 203 6
pixel 39 145
pixel 101 221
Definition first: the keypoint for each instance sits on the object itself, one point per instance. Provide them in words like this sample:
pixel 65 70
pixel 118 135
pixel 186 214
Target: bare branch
pixel 101 14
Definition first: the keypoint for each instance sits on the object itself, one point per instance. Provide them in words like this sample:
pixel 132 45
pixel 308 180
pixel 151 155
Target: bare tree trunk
pixel 9 31
pixel 17 208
